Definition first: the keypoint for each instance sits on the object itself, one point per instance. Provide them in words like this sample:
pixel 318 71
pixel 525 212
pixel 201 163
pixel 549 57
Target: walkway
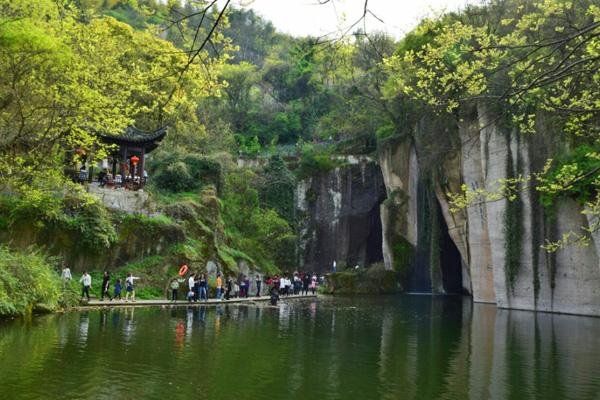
pixel 210 302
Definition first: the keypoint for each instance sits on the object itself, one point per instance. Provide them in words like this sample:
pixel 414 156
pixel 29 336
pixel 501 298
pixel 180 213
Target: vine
pixel 513 227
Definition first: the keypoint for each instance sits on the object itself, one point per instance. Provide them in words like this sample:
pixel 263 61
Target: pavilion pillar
pixel 142 165
pixel 123 161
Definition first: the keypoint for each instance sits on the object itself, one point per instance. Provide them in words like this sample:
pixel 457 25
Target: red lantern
pixel 135 160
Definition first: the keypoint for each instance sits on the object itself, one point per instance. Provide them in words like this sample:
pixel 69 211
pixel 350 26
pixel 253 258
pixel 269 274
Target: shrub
pixel 179 173
pixel 373 280
pixel 28 284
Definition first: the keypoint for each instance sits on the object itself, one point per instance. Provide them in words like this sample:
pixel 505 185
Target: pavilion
pixel 128 160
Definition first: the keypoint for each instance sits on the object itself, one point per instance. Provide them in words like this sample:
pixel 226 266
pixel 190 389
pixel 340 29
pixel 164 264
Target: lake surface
pixel 397 347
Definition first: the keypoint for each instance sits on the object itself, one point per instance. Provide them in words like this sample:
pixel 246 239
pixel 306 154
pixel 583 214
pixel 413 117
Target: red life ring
pixel 183 270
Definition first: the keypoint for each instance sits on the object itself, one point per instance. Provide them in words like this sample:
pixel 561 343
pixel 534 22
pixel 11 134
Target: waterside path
pixel 166 302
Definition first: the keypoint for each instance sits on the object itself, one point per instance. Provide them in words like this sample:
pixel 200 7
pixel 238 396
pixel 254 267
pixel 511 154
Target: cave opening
pixel 450 260
pixel 374 251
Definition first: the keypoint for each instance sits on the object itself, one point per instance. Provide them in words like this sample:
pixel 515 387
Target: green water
pixel 404 347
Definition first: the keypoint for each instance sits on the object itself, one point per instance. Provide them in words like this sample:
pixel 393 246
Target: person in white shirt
pixel 86 280
pixel 129 287
pixel 65 275
pixel 282 283
pixel 191 284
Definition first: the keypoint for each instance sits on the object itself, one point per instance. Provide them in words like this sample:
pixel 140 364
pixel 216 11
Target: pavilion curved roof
pixel 134 136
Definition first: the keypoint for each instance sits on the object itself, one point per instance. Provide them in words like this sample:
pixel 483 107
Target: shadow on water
pixel 396 347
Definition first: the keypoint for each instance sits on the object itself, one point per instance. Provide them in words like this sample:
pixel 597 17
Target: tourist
pixel 229 288
pixel 247 281
pixel 117 293
pixel 258 283
pixel 103 177
pixel 174 289
pixel 129 287
pixel 105 286
pixel 236 289
pixel 219 285
pixel 243 287
pixel 305 283
pixel 191 283
pixel 82 174
pixel 297 284
pixel 197 288
pixel 86 280
pixel 66 275
pixel 313 283
pixel 203 288
pixel 282 282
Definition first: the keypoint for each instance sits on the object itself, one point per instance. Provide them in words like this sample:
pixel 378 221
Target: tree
pixel 524 60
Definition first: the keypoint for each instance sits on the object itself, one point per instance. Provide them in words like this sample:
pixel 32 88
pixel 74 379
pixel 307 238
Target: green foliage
pixel 28 283
pixel 372 280
pixel 513 229
pixel 403 254
pixel 314 160
pixel 278 188
pixel 49 214
pixel 261 233
pixel 67 73
pixel 248 146
pixel 176 172
pixel 574 175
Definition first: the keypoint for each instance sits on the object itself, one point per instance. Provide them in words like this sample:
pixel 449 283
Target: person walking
pixel 305 283
pixel 65 275
pixel 247 282
pixel 174 289
pixel 105 286
pixel 282 285
pixel 197 288
pixel 258 284
pixel 130 287
pixel 191 284
pixel 86 280
pixel 118 287
pixel 313 283
pixel 229 288
pixel 203 288
pixel 219 286
pixel 243 287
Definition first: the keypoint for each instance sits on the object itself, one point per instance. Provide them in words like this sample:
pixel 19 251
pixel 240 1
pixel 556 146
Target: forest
pixel 230 87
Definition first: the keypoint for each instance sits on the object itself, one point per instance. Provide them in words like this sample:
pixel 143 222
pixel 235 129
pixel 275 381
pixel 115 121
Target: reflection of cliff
pixel 400 347
pixel 492 247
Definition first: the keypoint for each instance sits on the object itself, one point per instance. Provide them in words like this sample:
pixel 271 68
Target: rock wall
pixel 502 259
pixel 122 200
pixel 338 216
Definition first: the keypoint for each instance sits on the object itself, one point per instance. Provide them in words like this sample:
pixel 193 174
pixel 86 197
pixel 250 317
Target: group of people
pixel 300 283
pixel 197 286
pixel 86 285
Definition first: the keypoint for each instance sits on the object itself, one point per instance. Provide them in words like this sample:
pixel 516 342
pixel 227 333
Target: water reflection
pixel 398 347
pixel 84 327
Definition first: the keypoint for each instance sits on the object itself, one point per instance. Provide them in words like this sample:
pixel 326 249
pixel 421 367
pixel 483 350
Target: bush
pixel 373 280
pixel 28 283
pixel 180 173
pixel 314 161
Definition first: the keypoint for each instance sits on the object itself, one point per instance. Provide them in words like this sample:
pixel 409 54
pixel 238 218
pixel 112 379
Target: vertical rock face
pixel 338 215
pixel 399 211
pixel 499 241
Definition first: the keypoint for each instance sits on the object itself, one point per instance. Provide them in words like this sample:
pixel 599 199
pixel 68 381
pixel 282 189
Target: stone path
pixel 165 302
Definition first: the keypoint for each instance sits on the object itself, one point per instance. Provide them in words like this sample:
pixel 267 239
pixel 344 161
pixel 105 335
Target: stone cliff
pixel 498 241
pixel 338 216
